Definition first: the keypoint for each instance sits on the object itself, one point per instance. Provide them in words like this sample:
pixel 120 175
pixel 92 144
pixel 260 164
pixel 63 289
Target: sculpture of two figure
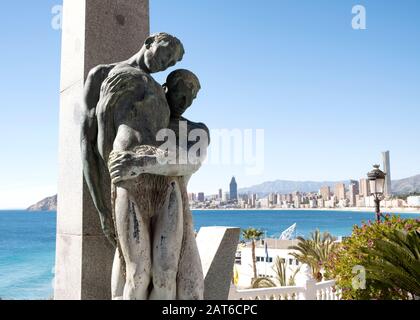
pixel 138 155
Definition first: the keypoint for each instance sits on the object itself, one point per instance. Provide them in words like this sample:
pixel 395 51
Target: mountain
pixel 403 186
pixel 286 186
pixel 406 186
pixel 48 204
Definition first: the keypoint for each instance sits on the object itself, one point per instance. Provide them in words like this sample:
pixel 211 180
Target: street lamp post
pixel 377 185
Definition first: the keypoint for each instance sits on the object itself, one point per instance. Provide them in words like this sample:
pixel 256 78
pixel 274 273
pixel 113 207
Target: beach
pixel 361 210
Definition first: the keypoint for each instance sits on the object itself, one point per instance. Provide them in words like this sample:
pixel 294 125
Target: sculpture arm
pixel 124 166
pixel 128 165
pixel 173 170
pixel 93 166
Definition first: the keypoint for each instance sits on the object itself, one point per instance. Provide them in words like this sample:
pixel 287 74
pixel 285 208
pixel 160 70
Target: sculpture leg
pixel 118 281
pixel 190 280
pixel 167 242
pixel 134 239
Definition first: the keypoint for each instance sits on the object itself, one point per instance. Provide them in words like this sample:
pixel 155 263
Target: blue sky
pixel 296 69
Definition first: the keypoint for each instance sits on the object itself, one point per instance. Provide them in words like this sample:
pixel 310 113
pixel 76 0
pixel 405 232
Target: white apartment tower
pixel 387 170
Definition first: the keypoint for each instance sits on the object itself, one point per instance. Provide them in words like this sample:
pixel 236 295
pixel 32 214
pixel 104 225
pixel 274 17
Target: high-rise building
pixel 200 197
pixel 272 198
pixel 364 188
pixel 191 197
pixel 387 170
pixel 297 199
pixel 279 198
pixel 340 191
pixel 356 186
pixel 233 190
pixel 353 192
pixel 225 197
pixel 220 194
pixel 254 200
pixel 325 193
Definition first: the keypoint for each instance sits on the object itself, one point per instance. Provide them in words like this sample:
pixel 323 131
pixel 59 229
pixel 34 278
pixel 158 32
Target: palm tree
pixel 253 235
pixel 280 269
pixel 394 262
pixel 263 282
pixel 314 251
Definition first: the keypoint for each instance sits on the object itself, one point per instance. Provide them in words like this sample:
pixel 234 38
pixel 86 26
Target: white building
pixel 265 260
pixel 413 201
pixel 369 202
pixel 343 203
pixel 264 203
pixel 225 197
pixel 387 170
pixel 313 203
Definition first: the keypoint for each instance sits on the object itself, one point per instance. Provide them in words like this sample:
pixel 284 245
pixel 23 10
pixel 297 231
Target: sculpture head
pixel 181 87
pixel 161 51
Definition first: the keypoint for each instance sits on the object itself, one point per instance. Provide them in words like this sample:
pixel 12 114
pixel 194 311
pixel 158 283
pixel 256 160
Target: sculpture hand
pixel 108 228
pixel 123 166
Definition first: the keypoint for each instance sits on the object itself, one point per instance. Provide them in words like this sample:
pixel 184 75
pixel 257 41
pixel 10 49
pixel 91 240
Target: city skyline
pixel 354 194
pixel 361 185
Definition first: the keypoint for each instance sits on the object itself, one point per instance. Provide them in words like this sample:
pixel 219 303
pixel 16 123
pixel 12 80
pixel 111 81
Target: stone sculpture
pixel 137 179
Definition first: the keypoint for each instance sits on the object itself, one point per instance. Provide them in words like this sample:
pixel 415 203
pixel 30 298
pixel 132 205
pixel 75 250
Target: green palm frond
pixel 252 234
pixel 280 270
pixel 314 251
pixel 395 261
pixel 263 283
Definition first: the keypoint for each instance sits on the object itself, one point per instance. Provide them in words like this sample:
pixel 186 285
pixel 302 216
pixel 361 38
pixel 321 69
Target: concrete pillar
pixel 94 32
pixel 217 247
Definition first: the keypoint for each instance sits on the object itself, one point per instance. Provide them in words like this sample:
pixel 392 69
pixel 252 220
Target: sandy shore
pixel 361 210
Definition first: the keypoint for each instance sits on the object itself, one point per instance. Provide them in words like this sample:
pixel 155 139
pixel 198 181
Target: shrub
pixel 358 250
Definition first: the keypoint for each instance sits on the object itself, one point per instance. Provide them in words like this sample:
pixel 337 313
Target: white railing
pixel 327 291
pixel 280 293
pixel 311 291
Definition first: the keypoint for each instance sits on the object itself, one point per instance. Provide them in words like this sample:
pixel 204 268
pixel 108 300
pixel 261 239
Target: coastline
pixel 413 211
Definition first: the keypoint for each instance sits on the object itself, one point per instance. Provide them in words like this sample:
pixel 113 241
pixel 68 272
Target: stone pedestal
pixel 217 247
pixel 94 32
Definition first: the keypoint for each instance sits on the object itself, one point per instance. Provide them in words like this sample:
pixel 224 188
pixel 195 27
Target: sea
pixel 27 240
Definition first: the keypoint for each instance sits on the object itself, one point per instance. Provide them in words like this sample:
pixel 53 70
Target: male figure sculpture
pixel 125 108
pixel 158 53
pixel 176 267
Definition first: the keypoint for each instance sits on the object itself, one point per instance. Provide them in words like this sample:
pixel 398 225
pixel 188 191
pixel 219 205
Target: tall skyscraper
pixel 353 192
pixel 233 190
pixel 356 186
pixel 225 197
pixel 200 197
pixel 364 188
pixel 272 198
pixel 340 191
pixel 220 194
pixel 387 170
pixel 254 200
pixel 191 197
pixel 297 199
pixel 325 193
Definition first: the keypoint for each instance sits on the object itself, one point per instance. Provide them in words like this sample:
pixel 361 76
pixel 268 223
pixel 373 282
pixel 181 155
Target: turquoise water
pixel 27 240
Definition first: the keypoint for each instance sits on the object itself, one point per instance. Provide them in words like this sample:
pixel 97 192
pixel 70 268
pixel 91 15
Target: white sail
pixel 288 233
